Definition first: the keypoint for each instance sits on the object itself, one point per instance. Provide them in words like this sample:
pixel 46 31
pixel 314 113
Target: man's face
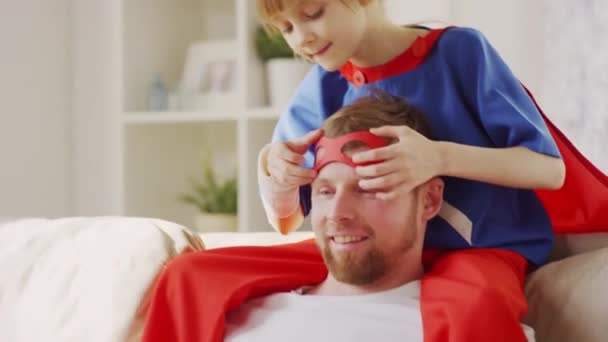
pixel 361 237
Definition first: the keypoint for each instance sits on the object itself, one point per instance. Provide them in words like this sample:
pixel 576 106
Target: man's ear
pixel 432 198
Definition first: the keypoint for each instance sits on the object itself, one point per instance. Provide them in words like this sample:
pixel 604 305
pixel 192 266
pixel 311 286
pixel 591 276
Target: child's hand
pixel 409 162
pixel 284 159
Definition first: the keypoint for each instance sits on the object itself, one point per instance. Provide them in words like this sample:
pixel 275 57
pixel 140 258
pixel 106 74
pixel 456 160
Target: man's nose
pixel 342 208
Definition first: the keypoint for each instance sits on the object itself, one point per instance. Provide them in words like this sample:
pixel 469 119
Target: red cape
pixel 581 205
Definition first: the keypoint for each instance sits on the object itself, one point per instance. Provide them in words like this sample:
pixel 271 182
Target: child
pixel 491 135
pixel 454 75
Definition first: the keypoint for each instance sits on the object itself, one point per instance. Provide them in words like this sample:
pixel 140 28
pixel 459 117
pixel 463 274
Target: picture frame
pixel 209 75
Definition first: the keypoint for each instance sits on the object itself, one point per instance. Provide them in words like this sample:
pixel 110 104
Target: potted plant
pixel 216 202
pixel 284 71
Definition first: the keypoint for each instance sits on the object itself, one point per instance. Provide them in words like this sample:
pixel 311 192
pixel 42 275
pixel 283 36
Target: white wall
pixel 514 28
pixel 96 96
pixel 416 11
pixel 35 119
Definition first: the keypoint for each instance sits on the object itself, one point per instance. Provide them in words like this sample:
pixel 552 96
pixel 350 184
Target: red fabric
pixel 195 290
pixel 474 295
pixel 581 205
pixel 407 61
pixel 462 289
pixel 332 148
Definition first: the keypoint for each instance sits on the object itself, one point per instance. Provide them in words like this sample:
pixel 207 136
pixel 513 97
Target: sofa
pixel 90 278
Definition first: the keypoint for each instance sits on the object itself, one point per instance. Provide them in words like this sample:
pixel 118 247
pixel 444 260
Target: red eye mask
pixel 332 148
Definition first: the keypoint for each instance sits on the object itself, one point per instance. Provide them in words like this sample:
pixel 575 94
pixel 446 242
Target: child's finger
pixel 286 171
pixel 287 155
pixel 290 180
pixel 380 183
pixel 376 154
pixel 301 144
pixel 390 131
pixel 302 172
pixel 376 170
pixel 298 181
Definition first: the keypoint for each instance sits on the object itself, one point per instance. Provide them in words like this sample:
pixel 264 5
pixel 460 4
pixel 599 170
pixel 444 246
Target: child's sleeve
pixel 505 110
pixel 318 95
pixel 283 210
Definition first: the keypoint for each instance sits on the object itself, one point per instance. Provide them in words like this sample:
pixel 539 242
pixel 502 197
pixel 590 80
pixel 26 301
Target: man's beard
pixel 356 268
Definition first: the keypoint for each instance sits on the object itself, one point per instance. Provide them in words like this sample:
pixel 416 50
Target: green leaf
pixel 212 196
pixel 271 45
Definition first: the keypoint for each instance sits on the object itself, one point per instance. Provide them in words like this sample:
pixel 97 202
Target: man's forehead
pixel 336 173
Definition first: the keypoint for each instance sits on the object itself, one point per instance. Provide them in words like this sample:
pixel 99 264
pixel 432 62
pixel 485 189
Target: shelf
pixel 156 39
pixel 136 118
pixel 225 116
pixel 177 117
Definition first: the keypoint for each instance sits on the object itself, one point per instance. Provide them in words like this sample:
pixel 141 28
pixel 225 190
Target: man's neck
pixel 333 287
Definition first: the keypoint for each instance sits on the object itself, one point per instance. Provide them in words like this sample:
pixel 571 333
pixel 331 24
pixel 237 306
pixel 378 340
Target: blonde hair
pixel 267 10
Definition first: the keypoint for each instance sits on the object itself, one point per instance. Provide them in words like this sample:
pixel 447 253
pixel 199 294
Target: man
pixel 371 247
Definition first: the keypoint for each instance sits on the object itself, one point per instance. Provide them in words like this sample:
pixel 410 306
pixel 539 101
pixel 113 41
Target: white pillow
pixel 81 279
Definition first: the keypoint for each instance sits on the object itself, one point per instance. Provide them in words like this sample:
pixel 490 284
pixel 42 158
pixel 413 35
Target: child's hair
pixel 267 9
pixel 376 110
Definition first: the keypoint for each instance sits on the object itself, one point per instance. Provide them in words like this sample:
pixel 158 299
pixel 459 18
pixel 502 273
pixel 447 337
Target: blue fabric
pixel 470 97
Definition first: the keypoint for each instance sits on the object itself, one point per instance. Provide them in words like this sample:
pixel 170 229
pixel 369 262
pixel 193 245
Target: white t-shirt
pixel 392 315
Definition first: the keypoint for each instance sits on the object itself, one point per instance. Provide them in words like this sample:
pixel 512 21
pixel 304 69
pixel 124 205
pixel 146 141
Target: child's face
pixel 328 32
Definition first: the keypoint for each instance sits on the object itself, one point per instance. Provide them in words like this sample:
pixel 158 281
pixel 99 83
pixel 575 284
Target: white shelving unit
pixel 160 152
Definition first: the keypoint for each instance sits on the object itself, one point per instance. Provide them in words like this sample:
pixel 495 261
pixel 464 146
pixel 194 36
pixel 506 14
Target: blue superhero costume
pixel 470 97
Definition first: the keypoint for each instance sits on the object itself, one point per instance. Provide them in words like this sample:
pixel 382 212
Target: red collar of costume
pixel 332 148
pixel 406 61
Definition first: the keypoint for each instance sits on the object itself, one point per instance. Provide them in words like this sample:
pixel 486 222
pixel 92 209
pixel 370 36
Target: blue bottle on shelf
pixel 158 95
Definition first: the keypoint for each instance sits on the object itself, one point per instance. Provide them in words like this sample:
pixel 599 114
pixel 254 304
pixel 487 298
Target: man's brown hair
pixel 376 110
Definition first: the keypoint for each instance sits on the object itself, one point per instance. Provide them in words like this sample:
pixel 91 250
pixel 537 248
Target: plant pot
pixel 208 222
pixel 283 76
